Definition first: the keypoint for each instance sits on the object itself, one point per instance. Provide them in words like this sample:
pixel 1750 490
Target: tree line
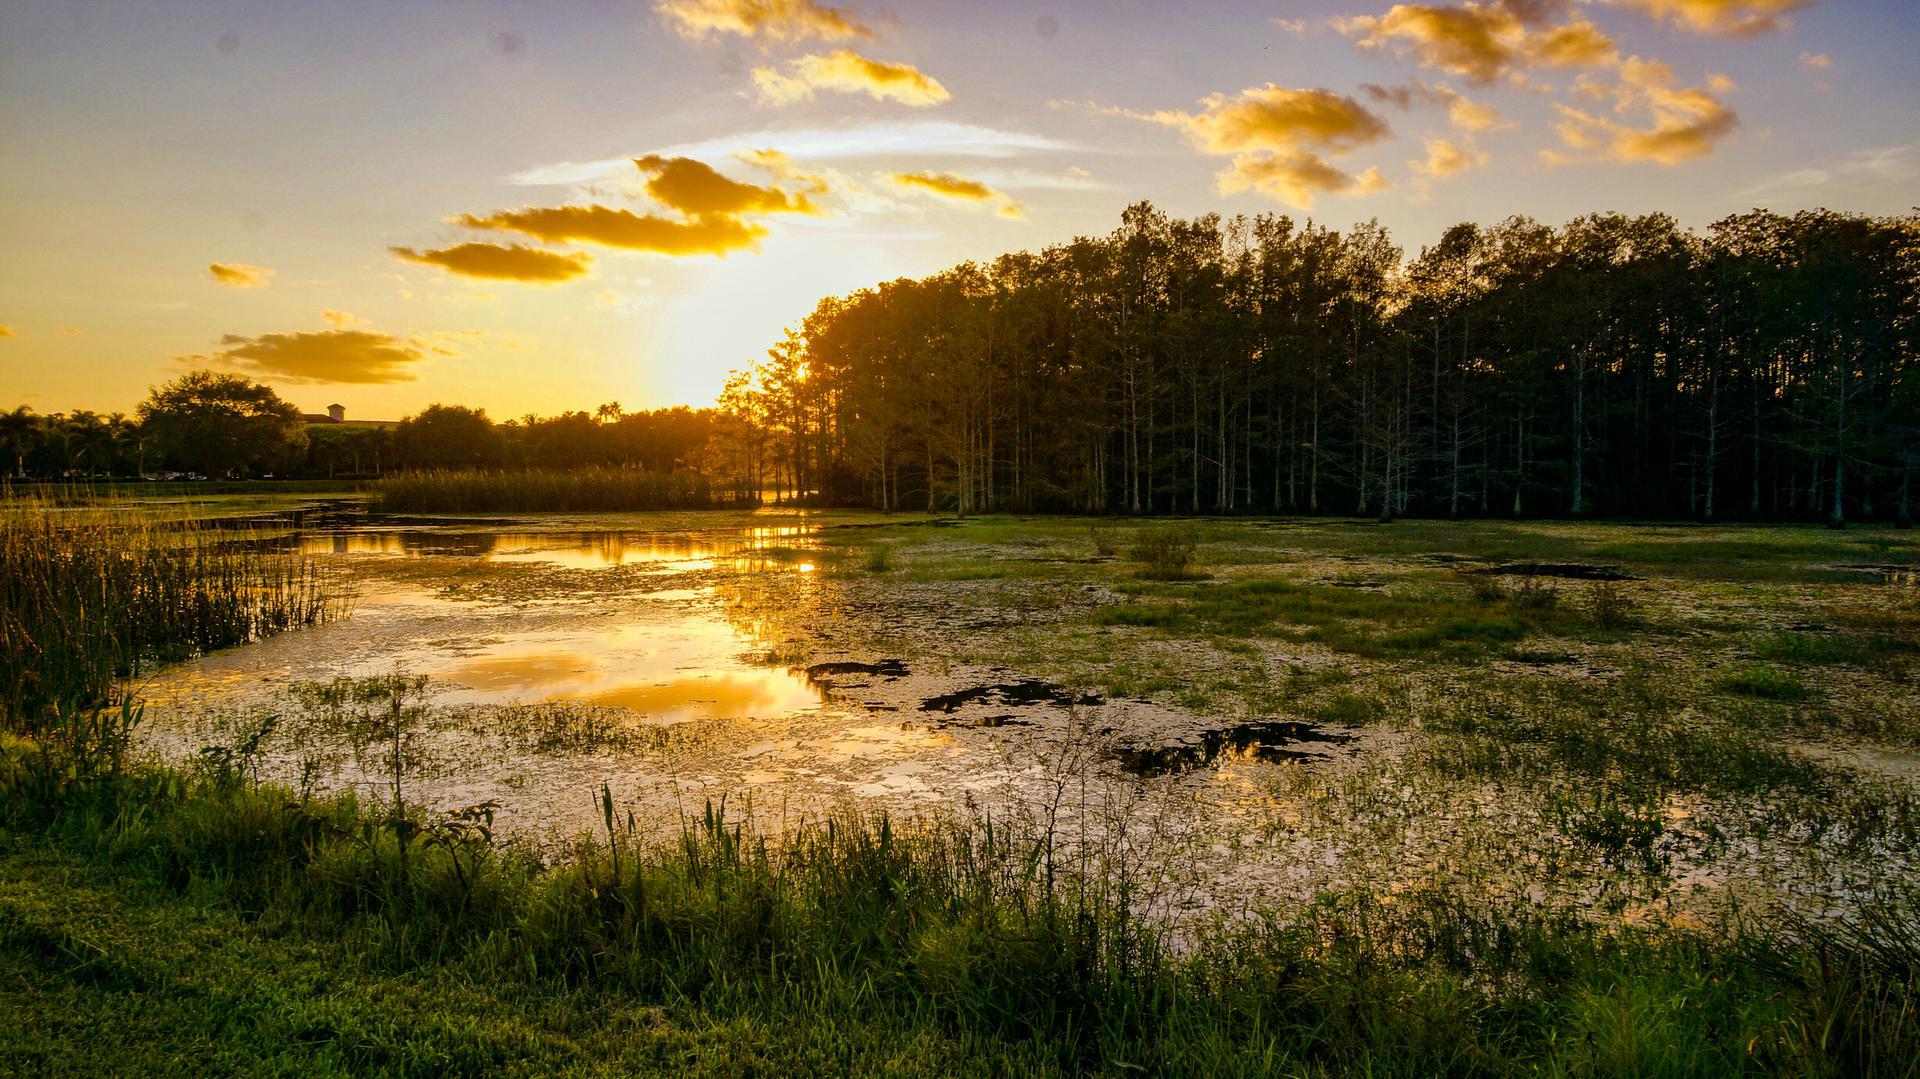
pixel 1615 365
pixel 221 425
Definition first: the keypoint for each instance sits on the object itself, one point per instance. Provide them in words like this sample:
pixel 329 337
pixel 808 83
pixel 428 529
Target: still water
pixel 633 637
pixel 675 667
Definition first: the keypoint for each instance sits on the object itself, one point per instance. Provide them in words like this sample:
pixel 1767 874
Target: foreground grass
pixel 154 919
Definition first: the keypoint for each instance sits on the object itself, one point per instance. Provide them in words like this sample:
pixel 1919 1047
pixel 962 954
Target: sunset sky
pixel 535 207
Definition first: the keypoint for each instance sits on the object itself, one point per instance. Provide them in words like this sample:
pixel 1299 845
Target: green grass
pixel 1403 620
pixel 1764 683
pixel 154 919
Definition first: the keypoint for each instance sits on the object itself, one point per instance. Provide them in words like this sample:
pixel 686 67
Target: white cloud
pixel 930 138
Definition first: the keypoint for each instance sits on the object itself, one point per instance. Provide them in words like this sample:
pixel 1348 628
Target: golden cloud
pixel 1686 122
pixel 848 72
pixel 359 356
pixel 1295 177
pixel 6 330
pixel 1465 114
pixel 1275 119
pixel 609 227
pixel 70 331
pixel 957 189
pixel 1444 158
pixel 763 20
pixel 502 262
pixel 239 274
pixel 1815 61
pixel 1482 42
pixel 1721 17
pixel 694 188
pixel 341 320
pixel 782 167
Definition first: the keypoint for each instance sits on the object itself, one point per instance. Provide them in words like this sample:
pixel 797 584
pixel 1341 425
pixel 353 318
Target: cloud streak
pixel 953 188
pixel 920 138
pixel 502 262
pixel 847 72
pixel 624 229
pixel 695 188
pixel 1463 113
pixel 782 21
pixel 1721 18
pixel 239 274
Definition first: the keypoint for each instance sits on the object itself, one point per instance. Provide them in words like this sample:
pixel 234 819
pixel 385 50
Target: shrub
pixel 1533 594
pixel 1165 553
pixel 1484 587
pixel 1609 606
pixel 879 558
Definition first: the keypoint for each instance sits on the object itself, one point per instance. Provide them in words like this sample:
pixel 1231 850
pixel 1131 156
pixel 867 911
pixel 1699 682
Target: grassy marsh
pixel 1647 826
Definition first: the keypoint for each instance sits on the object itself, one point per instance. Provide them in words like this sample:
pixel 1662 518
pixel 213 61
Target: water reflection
pixel 756 547
pixel 671 654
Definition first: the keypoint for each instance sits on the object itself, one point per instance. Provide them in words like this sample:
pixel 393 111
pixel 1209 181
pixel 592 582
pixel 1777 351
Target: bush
pixel 1609 606
pixel 1166 553
pixel 1533 594
pixel 1484 587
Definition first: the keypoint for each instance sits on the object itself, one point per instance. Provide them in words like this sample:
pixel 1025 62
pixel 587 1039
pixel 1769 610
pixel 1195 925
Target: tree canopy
pixel 1615 365
pixel 217 424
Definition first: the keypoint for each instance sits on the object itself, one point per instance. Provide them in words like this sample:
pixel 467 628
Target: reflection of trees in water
pixel 778 601
pixel 750 549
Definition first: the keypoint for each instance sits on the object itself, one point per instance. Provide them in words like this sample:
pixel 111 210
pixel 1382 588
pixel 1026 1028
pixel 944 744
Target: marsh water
pixel 680 661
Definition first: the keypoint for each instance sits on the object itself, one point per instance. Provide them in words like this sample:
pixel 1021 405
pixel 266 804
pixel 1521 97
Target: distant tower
pixel 337 413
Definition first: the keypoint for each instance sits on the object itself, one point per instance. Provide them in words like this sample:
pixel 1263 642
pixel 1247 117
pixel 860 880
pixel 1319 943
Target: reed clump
pixel 90 596
pixel 551 491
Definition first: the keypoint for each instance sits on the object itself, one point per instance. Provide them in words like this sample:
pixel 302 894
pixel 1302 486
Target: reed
pixel 551 491
pixel 90 596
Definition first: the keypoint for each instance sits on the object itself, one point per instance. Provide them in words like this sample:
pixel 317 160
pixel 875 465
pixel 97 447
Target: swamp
pixel 1414 797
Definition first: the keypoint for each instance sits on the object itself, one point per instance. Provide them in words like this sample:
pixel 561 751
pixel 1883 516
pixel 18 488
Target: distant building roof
pixel 322 420
pixel 337 414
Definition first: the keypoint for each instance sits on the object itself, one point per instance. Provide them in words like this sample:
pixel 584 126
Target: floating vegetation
pixel 1273 742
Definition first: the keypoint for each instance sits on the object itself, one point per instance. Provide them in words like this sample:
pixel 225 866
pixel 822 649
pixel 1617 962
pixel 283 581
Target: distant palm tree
pixel 20 429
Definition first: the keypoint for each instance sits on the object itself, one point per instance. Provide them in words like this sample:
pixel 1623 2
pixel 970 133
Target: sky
pixel 533 207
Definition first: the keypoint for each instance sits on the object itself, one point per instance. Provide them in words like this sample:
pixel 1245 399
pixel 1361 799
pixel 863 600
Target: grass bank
pixel 156 917
pixel 549 491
